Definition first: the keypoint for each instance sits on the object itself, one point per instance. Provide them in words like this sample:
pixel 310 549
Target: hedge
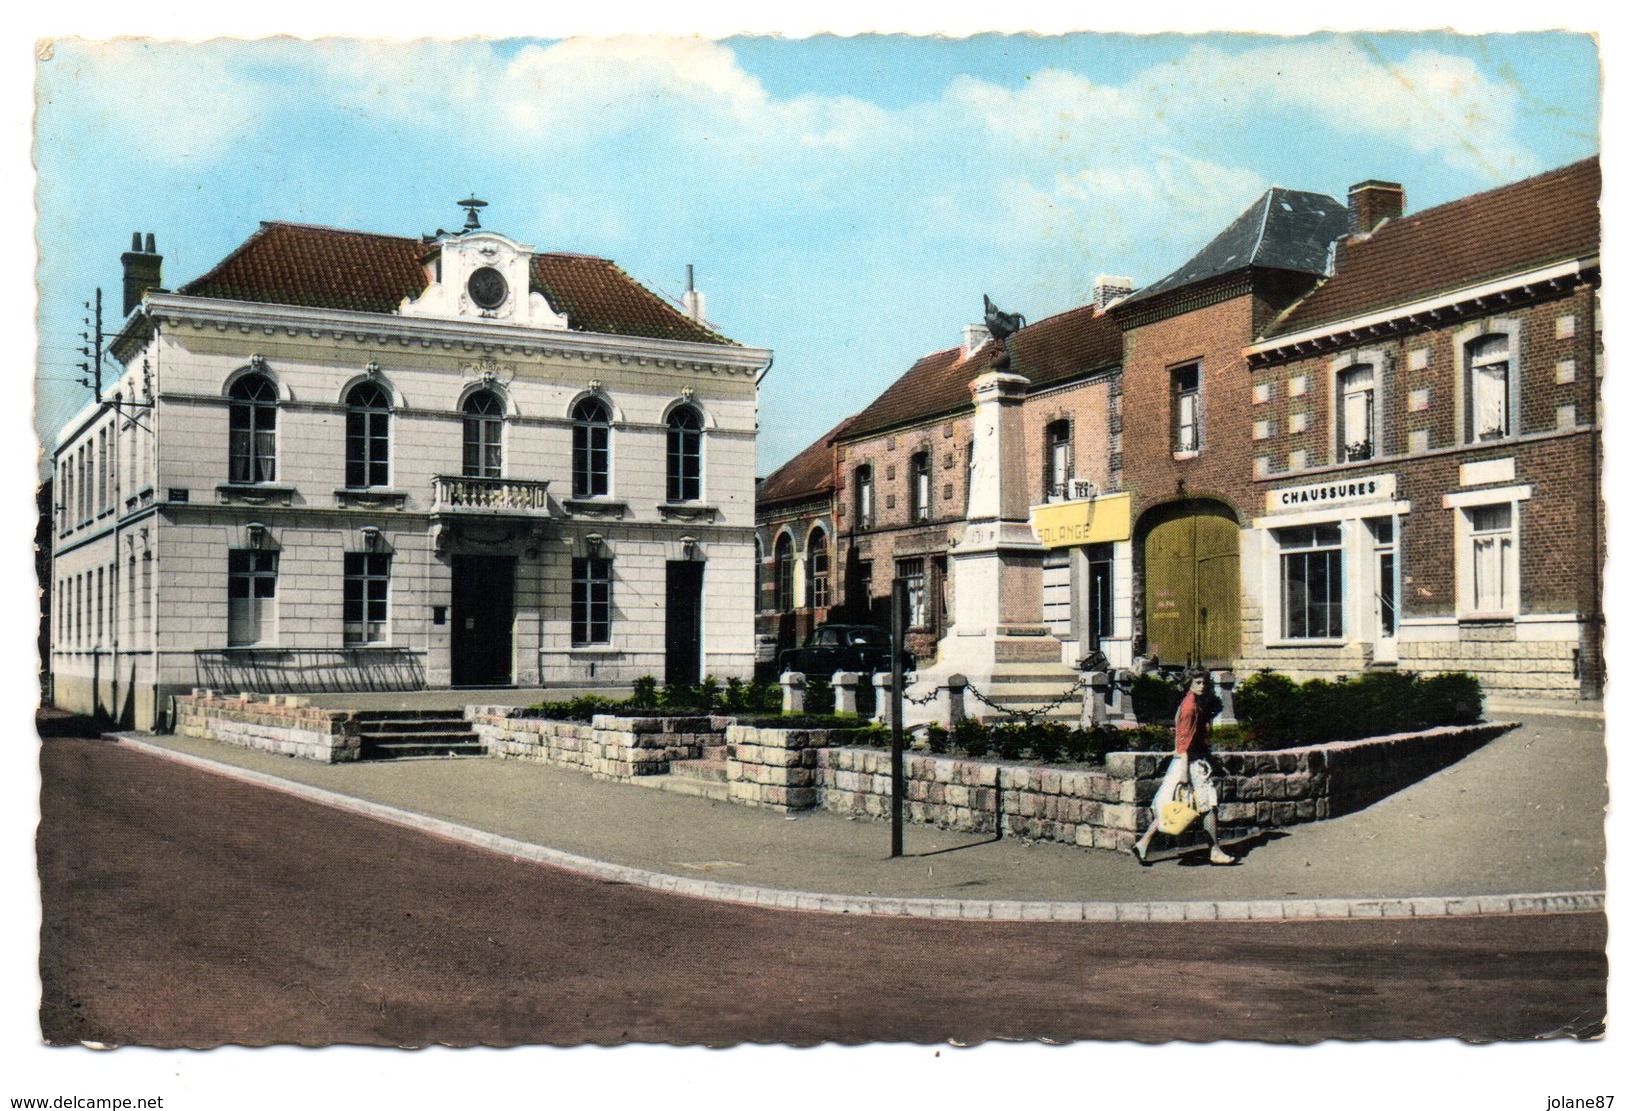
pixel 1276 712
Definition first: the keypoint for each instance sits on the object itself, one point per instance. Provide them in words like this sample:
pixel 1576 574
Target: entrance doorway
pixel 481 620
pixel 1385 598
pixel 1192 584
pixel 685 580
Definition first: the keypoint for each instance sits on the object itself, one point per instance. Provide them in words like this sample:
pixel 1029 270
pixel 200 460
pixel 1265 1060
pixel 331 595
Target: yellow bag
pixel 1178 813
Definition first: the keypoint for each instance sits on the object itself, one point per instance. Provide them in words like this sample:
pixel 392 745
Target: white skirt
pixel 1199 774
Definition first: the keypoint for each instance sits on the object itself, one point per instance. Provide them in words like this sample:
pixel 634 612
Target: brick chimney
pixel 1110 289
pixel 143 271
pixel 1372 202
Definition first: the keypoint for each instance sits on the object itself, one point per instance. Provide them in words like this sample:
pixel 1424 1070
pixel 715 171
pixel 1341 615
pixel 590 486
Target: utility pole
pixel 92 366
pixel 899 789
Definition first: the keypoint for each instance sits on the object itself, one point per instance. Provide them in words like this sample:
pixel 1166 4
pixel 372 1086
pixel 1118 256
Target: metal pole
pixel 899 624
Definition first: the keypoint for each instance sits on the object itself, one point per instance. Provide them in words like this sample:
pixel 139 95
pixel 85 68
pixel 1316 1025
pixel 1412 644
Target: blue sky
pixel 845 202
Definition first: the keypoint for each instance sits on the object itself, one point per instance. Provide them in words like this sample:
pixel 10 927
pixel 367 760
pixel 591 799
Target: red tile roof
pixel 1518 227
pixel 316 267
pixel 808 475
pixel 1046 352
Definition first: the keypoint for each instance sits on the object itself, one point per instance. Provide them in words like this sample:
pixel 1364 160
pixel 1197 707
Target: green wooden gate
pixel 1193 588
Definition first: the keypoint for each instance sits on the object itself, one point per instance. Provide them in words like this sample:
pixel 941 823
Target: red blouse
pixel 1191 726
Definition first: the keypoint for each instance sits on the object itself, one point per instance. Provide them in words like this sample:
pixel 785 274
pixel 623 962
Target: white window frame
pixel 912 571
pixel 1284 553
pixel 1377 361
pixel 1466 418
pixel 360 634
pixel 254 608
pixel 1187 448
pixel 1463 503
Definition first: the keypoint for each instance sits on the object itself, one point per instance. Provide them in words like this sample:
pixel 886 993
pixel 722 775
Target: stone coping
pixel 1275 910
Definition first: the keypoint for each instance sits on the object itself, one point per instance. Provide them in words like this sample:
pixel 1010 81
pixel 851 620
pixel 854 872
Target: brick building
pixel 341 460
pixel 1425 487
pixel 905 470
pixel 795 547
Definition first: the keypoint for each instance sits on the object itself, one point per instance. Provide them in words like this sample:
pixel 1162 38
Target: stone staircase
pixel 416 734
pixel 1026 687
pixel 705 776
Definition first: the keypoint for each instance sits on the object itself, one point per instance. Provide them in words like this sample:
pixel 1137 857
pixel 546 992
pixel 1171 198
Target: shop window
pixel 1311 582
pixel 482 435
pixel 251 597
pixel 683 455
pixel 590 601
pixel 1492 573
pixel 1357 413
pixel 366 459
pixel 366 597
pixel 590 454
pixel 1186 383
pixel 817 570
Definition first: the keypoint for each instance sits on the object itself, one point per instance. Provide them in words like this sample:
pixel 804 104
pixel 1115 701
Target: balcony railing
pixel 463 494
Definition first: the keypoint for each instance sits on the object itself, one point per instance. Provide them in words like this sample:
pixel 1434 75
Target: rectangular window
pixel 366 597
pixel 920 488
pixel 1492 559
pixel 1311 581
pixel 99 605
pixel 1100 594
pixel 912 572
pixel 1489 370
pixel 1058 458
pixel 589 601
pixel 251 597
pixel 1187 393
pixel 1058 591
pixel 1357 390
pixel 862 586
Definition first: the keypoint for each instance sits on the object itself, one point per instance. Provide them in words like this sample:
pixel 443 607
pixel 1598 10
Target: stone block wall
pixel 611 747
pixel 282 724
pixel 774 768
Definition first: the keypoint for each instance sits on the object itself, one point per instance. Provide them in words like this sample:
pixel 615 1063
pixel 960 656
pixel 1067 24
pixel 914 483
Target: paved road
pixel 183 908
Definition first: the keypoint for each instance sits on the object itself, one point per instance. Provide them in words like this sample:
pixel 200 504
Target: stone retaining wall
pixel 612 747
pixel 1107 808
pixel 774 768
pixel 283 724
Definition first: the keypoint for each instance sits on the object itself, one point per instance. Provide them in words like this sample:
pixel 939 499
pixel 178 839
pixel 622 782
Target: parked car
pixel 832 648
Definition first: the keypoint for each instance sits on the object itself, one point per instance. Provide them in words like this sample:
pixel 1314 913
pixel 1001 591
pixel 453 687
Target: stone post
pixel 882 698
pixel 1122 685
pixel 845 686
pixel 795 692
pixel 956 699
pixel 1096 708
pixel 1225 683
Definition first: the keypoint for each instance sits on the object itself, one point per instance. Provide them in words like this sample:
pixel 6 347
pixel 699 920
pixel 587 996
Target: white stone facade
pixel 144 550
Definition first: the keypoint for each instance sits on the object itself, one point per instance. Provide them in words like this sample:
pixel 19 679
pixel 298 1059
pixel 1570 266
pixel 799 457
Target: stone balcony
pixel 460 495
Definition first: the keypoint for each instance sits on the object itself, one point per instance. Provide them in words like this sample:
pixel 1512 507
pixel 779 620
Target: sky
pixel 845 201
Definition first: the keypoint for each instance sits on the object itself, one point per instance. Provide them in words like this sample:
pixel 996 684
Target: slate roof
pixel 329 268
pixel 1285 229
pixel 1519 227
pixel 1048 351
pixel 808 475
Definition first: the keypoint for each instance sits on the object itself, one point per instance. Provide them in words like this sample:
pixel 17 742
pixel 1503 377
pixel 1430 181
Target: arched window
pixel 864 497
pixel 1057 457
pixel 784 575
pixel 366 441
pixel 1489 387
pixel 683 455
pixel 253 429
pixel 920 486
pixel 817 570
pixel 590 458
pixel 482 435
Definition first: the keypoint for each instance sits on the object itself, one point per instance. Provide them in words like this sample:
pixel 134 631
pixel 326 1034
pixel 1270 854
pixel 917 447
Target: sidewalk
pixel 1516 826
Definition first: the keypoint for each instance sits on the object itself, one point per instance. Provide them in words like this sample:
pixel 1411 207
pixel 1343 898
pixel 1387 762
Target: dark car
pixel 831 648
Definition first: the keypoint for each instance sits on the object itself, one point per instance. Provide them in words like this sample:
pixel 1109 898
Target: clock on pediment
pixel 487 288
pixel 481 274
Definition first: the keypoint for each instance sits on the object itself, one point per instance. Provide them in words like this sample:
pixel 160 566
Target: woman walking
pixel 1191 765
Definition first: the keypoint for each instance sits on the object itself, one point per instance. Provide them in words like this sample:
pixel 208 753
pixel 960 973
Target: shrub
pixel 936 738
pixel 1453 698
pixel 1089 746
pixel 973 738
pixel 1275 712
pixel 1155 699
pixel 645 692
pixel 820 697
pixel 1009 740
pixel 1046 740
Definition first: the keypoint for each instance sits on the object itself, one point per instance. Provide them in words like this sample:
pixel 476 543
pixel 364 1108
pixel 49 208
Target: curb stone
pixel 1003 910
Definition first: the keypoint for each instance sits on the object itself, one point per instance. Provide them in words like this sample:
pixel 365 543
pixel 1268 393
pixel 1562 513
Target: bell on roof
pixel 472 207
